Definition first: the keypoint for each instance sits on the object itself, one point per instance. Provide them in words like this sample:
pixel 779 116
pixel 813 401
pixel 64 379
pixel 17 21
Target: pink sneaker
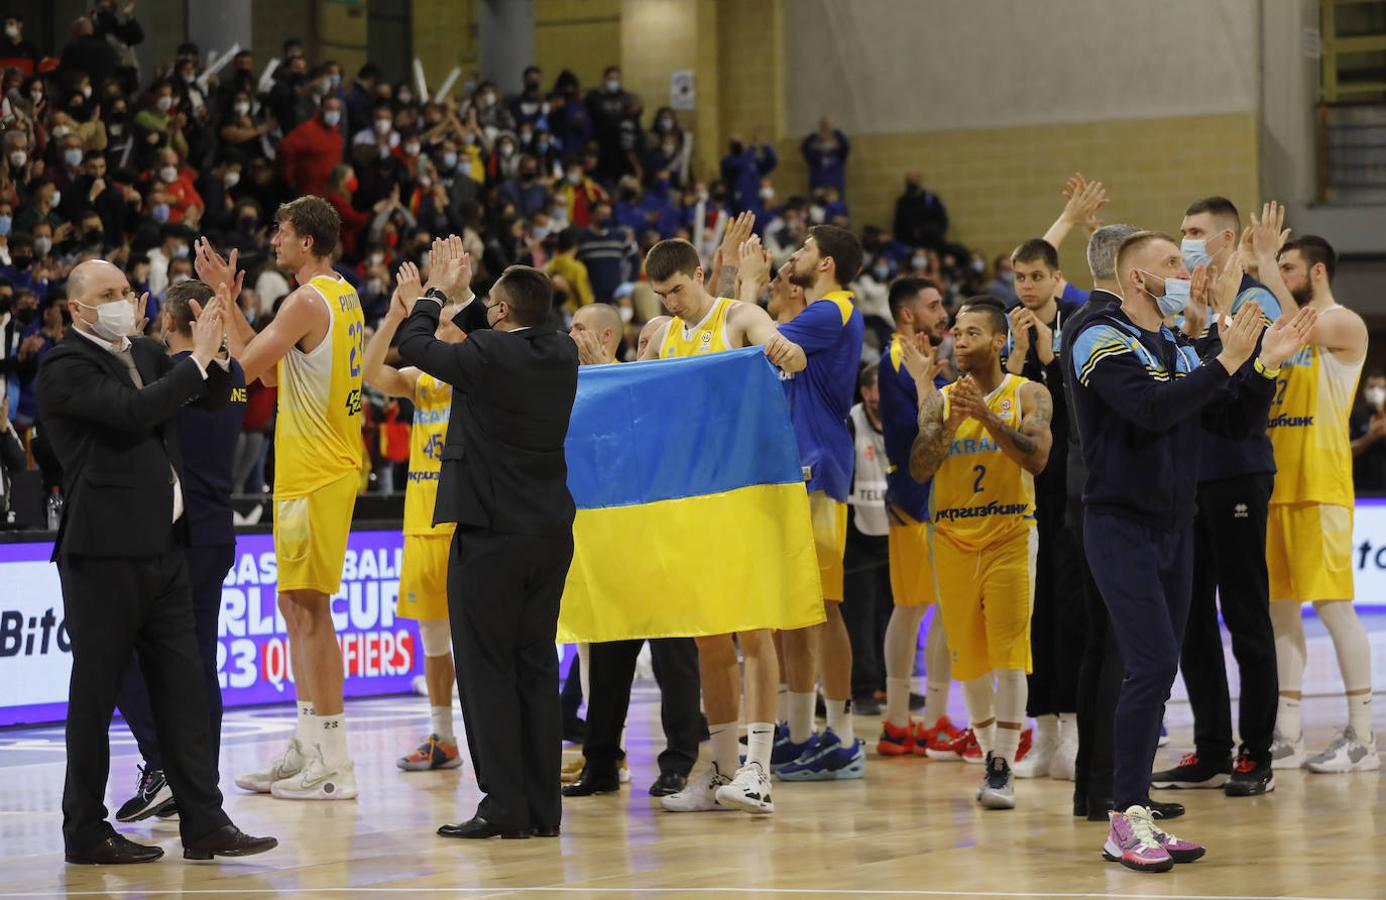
pixel 1180 851
pixel 1134 841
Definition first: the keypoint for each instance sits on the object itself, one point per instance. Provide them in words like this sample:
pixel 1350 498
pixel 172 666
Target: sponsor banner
pixel 382 654
pixel 1369 553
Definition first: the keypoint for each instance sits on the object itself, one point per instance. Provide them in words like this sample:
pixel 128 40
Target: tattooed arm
pixel 1028 445
pixel 931 445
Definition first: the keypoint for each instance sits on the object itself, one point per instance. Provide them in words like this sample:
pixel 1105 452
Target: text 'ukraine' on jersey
pixel 707 336
pixel 1308 427
pixel 900 423
pixel 830 332
pixel 432 407
pixel 980 495
pixel 317 436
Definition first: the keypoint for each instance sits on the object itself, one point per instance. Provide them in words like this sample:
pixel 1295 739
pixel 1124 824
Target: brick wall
pixel 582 35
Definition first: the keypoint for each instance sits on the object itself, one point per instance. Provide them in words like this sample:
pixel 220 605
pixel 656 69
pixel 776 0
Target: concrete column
pixel 214 27
pixel 506 35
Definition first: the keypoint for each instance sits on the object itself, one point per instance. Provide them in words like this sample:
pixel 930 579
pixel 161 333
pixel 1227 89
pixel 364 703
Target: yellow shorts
pixel 310 536
pixel 1309 552
pixel 986 598
pixel 830 540
pixel 911 561
pixel 423 585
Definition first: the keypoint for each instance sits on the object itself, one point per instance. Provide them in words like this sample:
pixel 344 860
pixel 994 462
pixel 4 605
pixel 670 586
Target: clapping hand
pixel 738 230
pixel 1239 338
pixel 1227 284
pixel 1285 338
pixel 921 359
pixel 965 402
pixel 208 328
pixel 449 267
pixel 213 269
pixel 141 320
pixel 1085 199
pixel 753 266
pixel 1266 234
pixel 408 288
pixel 1022 320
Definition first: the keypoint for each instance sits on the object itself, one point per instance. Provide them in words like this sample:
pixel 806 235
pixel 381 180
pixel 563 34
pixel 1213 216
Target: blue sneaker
pixel 789 752
pixel 781 739
pixel 1164 736
pixel 829 760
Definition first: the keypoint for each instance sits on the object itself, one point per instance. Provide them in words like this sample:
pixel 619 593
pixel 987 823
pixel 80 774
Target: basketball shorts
pixel 986 597
pixel 911 561
pixel 829 540
pixel 310 536
pixel 423 583
pixel 1309 552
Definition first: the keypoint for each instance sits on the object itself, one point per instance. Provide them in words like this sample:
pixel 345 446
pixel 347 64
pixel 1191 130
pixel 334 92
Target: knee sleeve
pixel 437 637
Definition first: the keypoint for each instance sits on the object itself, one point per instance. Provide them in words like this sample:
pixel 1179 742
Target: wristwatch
pixel 436 296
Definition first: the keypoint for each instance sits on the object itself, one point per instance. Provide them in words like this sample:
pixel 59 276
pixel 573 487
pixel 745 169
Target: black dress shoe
pixel 866 705
pixel 1098 807
pixel 228 840
pixel 545 831
pixel 1080 805
pixel 1165 810
pixel 476 828
pixel 668 783
pixel 592 781
pixel 116 850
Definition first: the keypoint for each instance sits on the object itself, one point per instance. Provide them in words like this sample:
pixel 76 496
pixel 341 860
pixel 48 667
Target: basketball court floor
pixel 910 828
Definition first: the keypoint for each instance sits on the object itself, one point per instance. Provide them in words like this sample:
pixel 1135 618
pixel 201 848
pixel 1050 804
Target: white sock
pixel 935 701
pixel 1360 715
pixel 332 739
pixel 1287 718
pixel 898 702
pixel 442 722
pixel 760 739
pixel 801 715
pixel 1007 743
pixel 726 749
pixel 303 728
pixel 986 738
pixel 939 671
pixel 1068 729
pixel 782 703
pixel 840 721
pixel 1047 729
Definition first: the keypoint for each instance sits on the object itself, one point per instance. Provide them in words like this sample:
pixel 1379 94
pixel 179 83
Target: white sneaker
pixel 700 794
pixel 749 790
pixel 1065 761
pixel 1286 754
pixel 1036 763
pixel 317 782
pixel 1347 753
pixel 288 764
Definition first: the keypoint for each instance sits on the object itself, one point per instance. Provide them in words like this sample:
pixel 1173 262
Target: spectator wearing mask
pixel 172 184
pixel 159 125
pixel 175 243
pixel 744 167
pixel 609 108
pixel 529 105
pixel 825 151
pixel 115 23
pixel 609 253
pixel 21 272
pixel 310 152
pixel 241 129
pixel 671 148
pixel 1002 287
pixel 1367 427
pixel 572 271
pixel 505 160
pixel 214 185
pixel 16 51
pixel 42 206
pixel 120 132
pixel 581 194
pixel 362 97
pixel 921 220
pixel 87 52
pixel 528 194
pixel 380 132
pixel 491 115
pixel 293 99
pixel 240 79
pixel 32 347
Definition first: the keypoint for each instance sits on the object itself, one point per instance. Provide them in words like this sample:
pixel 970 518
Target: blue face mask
pixel 5 222
pixel 1195 252
pixel 1175 297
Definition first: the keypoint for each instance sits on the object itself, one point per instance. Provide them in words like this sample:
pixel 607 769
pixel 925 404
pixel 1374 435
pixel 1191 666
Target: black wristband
pixel 436 296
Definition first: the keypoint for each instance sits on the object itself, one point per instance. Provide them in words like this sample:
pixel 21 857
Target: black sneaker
pixel 1193 772
pixel 866 705
pixel 998 784
pixel 151 795
pixel 1250 778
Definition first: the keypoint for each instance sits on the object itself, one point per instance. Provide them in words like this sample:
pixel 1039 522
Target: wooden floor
pixel 909 828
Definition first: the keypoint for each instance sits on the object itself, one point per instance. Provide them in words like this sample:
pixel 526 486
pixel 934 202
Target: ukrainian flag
pixel 692 517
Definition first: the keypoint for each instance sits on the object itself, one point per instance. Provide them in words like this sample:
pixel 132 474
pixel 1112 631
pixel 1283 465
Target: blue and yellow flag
pixel 692 517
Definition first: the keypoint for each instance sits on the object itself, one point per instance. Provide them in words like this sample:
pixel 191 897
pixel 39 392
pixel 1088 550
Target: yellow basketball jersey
pixel 708 336
pixel 980 495
pixel 1308 428
pixel 317 436
pixel 432 405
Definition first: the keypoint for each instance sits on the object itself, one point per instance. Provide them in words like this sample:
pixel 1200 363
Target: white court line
pixel 564 889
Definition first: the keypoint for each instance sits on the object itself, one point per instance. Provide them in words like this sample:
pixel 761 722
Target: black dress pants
pixel 119 609
pixel 1057 631
pixel 612 667
pixel 503 597
pixel 1230 571
pixel 207 568
pixel 867 603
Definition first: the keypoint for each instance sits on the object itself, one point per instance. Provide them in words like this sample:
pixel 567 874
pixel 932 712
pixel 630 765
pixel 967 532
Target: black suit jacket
pixel 116 442
pixel 503 462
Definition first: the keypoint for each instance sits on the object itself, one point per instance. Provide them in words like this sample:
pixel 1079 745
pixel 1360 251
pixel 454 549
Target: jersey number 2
pixel 981 473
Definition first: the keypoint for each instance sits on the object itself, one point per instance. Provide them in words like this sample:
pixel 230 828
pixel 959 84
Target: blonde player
pixel 314 350
pixel 706 324
pixel 1309 538
pixel 423 583
pixel 982 439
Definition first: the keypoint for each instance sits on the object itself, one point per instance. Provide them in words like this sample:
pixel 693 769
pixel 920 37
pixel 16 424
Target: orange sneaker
pixel 896 741
pixel 434 753
pixel 924 733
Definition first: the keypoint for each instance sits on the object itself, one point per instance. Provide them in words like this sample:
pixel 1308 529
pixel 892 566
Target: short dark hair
pixel 315 218
pixel 989 306
pixel 842 246
pixel 1219 208
pixel 528 293
pixel 671 257
pixel 1315 250
pixel 1036 250
pixel 905 289
pixel 568 239
pixel 867 374
pixel 177 302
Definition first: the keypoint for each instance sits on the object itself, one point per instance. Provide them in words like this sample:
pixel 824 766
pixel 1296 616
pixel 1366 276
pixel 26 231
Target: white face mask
pixel 411 149
pixel 12 32
pixel 1375 396
pixel 57 198
pixel 61 131
pixel 42 245
pixel 169 174
pixel 164 104
pixel 331 117
pixel 382 126
pixel 231 179
pixel 17 158
pixel 113 320
pixel 72 156
pixel 377 259
pixel 242 109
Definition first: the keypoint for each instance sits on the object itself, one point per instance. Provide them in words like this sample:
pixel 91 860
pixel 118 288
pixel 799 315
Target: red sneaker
pixel 923 733
pixel 896 741
pixel 971 751
pixel 941 746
